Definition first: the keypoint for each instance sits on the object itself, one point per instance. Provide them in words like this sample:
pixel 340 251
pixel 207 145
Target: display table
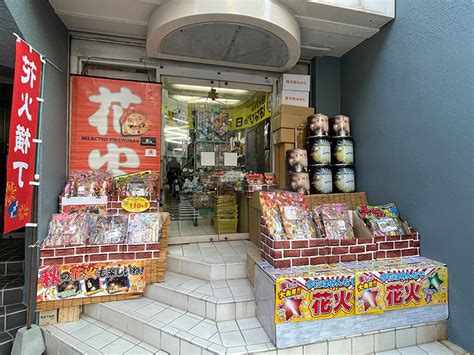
pixel 306 319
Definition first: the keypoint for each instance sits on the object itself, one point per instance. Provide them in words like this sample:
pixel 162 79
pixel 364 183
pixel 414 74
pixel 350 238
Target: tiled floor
pixel 241 335
pixel 433 348
pixel 218 291
pixel 187 228
pixel 89 336
pixel 214 252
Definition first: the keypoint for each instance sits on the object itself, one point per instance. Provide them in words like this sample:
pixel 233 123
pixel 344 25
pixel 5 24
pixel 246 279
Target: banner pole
pixel 34 212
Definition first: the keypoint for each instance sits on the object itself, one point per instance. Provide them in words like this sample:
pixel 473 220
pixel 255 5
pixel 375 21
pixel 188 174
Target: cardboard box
pixel 285 120
pixel 284 135
pixel 293 98
pixel 294 110
pixel 296 82
pixel 280 163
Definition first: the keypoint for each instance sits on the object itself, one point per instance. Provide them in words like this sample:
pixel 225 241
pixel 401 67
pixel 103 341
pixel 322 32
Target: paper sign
pixel 230 159
pixel 208 158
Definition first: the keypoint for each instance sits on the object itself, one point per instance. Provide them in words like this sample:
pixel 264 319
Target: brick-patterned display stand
pixel 154 256
pixel 353 199
pixel 287 253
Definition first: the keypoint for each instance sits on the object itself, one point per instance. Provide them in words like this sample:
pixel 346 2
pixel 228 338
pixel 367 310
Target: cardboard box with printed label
pixel 296 82
pixel 289 135
pixel 287 121
pixel 293 98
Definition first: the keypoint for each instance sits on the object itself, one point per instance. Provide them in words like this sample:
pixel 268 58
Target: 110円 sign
pixel 23 132
pixel 115 125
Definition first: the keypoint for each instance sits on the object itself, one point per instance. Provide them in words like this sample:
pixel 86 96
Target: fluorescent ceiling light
pixel 205 100
pixel 208 88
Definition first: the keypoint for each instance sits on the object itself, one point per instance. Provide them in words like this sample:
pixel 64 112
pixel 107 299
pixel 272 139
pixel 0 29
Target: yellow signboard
pixel 251 113
pixel 417 286
pixel 135 204
pixel 325 295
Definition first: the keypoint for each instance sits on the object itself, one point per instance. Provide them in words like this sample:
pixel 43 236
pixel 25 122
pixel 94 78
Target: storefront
pixel 168 159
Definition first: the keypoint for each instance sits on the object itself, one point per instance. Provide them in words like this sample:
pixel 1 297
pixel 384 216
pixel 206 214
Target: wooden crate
pixel 353 199
pixel 156 270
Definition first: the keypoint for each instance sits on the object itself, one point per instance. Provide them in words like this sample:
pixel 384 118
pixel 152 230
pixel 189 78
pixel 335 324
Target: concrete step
pixel 178 332
pixel 206 270
pixel 215 300
pixel 91 337
pixel 11 289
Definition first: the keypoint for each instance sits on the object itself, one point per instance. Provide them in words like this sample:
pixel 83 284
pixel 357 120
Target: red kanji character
pixel 50 277
pixel 322 303
pixel 342 298
pixel 411 291
pixel 394 296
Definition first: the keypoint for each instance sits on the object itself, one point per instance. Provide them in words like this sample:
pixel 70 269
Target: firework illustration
pixel 23 212
pixel 10 193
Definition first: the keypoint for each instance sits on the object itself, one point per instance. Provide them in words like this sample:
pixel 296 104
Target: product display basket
pixel 353 200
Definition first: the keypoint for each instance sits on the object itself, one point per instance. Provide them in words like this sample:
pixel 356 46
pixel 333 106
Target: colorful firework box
pixel 71 281
pixel 323 294
pixel 398 283
pixel 367 287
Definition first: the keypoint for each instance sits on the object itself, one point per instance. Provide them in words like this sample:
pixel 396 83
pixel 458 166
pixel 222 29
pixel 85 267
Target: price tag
pixel 135 204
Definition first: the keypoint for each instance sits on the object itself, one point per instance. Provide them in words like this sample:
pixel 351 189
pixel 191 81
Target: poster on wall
pixel 325 295
pixel 20 168
pixel 115 125
pixel 70 281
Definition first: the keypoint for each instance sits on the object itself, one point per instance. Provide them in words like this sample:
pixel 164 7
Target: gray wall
pixel 42 29
pixel 409 93
pixel 325 90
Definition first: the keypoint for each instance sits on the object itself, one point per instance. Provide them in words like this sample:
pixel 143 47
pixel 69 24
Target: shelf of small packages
pixel 328 299
pixel 108 255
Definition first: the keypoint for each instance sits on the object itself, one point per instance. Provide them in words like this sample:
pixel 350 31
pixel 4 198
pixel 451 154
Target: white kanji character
pixel 112 159
pixel 20 165
pixel 29 69
pixel 100 119
pixel 22 139
pixel 27 100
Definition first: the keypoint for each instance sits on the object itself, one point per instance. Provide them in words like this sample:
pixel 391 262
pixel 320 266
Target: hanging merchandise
pixel 343 178
pixel 320 177
pixel 299 182
pixel 297 160
pixel 319 150
pixel 317 125
pixel 342 150
pixel 340 126
pixel 271 214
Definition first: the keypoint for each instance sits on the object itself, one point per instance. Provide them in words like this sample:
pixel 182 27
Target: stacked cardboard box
pixel 286 135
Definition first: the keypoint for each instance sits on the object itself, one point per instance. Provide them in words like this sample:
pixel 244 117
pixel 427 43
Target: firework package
pixel 90 229
pixel 345 289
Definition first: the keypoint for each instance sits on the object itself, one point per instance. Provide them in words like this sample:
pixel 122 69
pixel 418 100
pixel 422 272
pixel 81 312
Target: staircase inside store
pixel 12 309
pixel 205 306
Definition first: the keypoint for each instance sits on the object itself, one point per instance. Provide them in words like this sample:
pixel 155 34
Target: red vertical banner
pixel 23 130
pixel 115 125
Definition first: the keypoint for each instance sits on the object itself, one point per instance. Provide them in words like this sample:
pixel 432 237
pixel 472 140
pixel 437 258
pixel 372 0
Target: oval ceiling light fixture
pixel 251 34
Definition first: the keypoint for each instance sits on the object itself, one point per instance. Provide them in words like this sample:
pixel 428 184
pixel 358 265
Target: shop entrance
pixel 208 146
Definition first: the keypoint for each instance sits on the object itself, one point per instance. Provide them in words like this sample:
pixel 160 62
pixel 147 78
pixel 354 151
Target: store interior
pixel 206 155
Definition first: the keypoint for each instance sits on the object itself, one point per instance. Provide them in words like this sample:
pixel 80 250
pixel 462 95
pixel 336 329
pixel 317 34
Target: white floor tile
pixel 411 350
pixel 103 339
pixel 227 326
pixel 255 336
pixel 338 347
pixel 71 327
pixel 316 349
pixel 118 346
pixel 384 341
pixel 169 343
pixel 167 316
pixel 231 339
pixel 435 348
pixel 248 323
pixel 363 344
pixel 150 310
pixel 425 334
pixel 137 350
pixel 216 339
pixel 184 322
pixel 388 352
pixel 87 332
pixel 204 330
